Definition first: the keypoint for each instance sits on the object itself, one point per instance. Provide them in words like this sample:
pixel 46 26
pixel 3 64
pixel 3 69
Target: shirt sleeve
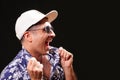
pixel 11 73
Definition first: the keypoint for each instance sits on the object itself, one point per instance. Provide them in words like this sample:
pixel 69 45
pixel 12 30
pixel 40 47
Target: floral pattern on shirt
pixel 16 69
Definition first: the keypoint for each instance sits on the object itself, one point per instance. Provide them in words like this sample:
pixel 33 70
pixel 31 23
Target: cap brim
pixel 52 15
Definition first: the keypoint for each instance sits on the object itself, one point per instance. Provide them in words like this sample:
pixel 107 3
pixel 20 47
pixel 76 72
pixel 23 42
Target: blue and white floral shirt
pixel 16 69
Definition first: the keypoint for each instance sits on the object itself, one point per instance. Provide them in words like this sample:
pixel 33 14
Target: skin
pixel 37 44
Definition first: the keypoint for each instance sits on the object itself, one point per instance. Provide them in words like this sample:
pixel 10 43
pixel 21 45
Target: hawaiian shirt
pixel 16 69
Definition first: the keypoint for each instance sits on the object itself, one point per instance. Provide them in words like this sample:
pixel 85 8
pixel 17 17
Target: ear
pixel 28 36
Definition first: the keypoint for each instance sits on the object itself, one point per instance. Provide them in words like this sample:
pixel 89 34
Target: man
pixel 37 60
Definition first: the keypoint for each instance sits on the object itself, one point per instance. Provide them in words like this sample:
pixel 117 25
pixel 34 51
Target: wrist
pixel 67 68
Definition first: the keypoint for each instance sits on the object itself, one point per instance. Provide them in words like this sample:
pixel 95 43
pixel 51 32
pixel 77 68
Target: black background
pixel 71 28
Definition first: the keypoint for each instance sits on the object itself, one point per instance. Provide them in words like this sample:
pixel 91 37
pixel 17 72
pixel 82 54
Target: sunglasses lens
pixel 48 29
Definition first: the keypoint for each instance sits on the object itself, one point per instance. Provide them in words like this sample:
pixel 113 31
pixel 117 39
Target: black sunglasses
pixel 46 29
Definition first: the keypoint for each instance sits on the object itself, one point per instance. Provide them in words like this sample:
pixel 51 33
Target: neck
pixel 33 53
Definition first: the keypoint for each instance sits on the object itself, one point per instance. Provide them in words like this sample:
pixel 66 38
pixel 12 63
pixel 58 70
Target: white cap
pixel 30 17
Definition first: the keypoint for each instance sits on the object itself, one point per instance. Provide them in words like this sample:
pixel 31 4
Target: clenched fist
pixel 35 69
pixel 66 58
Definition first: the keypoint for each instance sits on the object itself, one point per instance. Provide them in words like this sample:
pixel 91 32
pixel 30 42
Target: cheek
pixel 39 39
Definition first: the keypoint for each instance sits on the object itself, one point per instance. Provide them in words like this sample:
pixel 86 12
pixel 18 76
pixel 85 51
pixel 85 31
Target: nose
pixel 52 33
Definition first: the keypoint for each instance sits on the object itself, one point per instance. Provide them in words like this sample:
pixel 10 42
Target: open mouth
pixel 47 43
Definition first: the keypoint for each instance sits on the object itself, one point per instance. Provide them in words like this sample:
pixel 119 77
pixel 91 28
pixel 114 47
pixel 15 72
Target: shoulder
pixel 10 72
pixel 14 69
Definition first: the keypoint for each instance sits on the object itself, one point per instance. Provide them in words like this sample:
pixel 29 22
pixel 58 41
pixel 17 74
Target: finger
pixel 32 62
pixel 67 54
pixel 61 52
pixel 39 66
pixel 31 65
pixel 39 70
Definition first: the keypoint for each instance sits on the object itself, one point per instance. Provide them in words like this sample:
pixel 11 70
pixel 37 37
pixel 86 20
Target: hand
pixel 35 69
pixel 66 62
pixel 66 58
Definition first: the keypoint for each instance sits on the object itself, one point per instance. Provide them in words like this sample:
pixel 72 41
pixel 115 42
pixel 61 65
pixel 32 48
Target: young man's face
pixel 42 35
